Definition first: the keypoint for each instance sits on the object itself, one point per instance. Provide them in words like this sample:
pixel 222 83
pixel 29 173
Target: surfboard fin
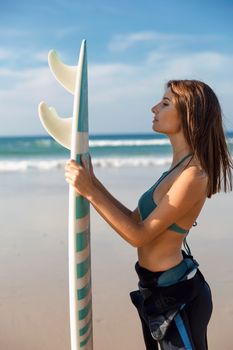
pixel 59 128
pixel 64 74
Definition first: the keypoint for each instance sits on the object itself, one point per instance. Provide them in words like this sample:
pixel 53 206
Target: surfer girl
pixel 173 300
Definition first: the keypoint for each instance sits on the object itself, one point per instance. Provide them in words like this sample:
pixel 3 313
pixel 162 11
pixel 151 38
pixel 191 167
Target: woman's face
pixel 166 118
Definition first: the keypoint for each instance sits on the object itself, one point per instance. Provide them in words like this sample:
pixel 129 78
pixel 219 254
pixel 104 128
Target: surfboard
pixel 72 133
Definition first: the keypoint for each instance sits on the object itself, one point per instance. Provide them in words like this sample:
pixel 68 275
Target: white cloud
pixel 207 66
pixel 5 54
pixel 122 42
pixel 120 95
pixel 25 57
pixel 18 103
pixel 40 56
pixel 126 96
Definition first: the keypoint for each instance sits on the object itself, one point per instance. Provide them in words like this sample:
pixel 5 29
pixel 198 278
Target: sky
pixel 134 48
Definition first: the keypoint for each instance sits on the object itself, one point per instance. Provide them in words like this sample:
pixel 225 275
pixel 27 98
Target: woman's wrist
pixel 94 190
pixel 96 181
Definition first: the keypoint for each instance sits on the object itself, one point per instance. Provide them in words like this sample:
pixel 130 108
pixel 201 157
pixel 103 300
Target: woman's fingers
pixel 79 176
pixel 74 167
pixel 69 175
pixel 72 164
pixel 71 178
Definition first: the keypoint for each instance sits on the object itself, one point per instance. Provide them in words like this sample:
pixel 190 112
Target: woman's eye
pixel 165 104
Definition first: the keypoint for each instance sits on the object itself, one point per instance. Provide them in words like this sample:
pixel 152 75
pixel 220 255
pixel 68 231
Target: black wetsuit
pixel 174 314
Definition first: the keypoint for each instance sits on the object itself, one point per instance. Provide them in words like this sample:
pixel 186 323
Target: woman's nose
pixel 154 109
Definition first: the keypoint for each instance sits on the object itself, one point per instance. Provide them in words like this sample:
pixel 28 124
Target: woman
pixel 174 301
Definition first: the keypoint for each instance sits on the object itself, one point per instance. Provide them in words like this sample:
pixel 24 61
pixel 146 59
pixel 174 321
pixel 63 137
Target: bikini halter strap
pixel 179 163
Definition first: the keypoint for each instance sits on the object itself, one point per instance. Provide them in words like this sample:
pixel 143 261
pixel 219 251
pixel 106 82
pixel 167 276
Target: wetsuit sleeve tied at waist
pixel 159 305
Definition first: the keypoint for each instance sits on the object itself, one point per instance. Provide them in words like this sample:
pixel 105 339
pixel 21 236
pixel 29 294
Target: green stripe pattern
pixel 83 267
pixel 82 240
pixel 84 342
pixel 83 106
pixel 84 312
pixel 82 209
pixel 85 328
pixel 83 292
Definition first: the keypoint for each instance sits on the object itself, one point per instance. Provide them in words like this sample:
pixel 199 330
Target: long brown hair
pixel 202 124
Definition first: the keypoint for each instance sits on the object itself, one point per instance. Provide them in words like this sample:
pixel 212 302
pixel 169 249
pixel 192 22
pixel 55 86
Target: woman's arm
pixel 119 205
pixel 181 197
pixel 123 221
pixel 186 191
pixel 127 226
pixel 101 187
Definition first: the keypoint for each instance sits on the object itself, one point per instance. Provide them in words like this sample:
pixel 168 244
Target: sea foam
pixel 56 164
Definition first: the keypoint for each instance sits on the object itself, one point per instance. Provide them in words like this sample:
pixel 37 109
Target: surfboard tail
pixel 80 108
pixel 70 77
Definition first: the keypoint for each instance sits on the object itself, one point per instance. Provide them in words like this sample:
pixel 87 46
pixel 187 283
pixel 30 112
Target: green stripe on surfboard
pixel 78 157
pixel 84 342
pixel 84 312
pixel 85 328
pixel 83 292
pixel 83 267
pixel 82 207
pixel 83 109
pixel 82 240
pixel 82 204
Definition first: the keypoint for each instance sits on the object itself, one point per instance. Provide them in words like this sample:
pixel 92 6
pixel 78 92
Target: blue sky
pixel 134 47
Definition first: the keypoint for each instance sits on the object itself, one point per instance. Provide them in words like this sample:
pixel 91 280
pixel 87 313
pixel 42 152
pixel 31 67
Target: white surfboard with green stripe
pixel 72 133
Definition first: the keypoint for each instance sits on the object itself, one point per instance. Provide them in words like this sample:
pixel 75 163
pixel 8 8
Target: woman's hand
pixel 81 177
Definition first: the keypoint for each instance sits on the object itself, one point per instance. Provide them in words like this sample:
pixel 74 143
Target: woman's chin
pixel 154 127
pixel 157 130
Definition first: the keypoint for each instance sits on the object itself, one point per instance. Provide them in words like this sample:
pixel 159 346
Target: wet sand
pixel 34 263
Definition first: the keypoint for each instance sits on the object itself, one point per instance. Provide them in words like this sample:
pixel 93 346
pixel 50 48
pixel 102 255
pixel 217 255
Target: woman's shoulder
pixel 194 175
pixel 195 169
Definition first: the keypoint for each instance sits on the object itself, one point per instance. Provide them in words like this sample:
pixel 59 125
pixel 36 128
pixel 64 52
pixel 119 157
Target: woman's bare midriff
pixel 164 252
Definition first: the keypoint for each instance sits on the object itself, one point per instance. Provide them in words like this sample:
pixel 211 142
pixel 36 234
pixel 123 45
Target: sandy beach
pixel 34 263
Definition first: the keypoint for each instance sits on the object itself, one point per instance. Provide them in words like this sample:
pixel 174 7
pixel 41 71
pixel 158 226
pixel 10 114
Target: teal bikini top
pixel 146 203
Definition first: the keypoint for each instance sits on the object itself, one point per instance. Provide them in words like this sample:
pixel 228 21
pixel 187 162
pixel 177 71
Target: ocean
pixel 25 153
